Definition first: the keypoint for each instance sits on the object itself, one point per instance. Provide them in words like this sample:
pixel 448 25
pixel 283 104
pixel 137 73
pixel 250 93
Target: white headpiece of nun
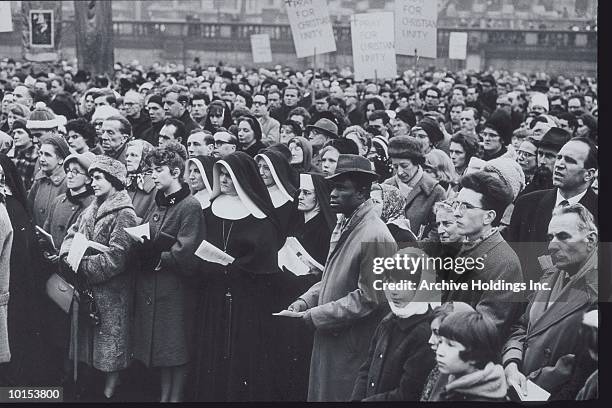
pixel 282 196
pixel 222 206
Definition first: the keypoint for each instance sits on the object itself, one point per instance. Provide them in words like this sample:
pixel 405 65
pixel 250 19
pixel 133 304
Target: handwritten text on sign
pixel 311 27
pixel 416 24
pixel 373 46
pixel 260 45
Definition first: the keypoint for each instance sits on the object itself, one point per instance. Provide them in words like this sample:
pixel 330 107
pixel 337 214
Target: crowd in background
pixel 493 165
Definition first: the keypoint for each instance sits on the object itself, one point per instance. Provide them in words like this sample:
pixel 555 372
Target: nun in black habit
pixel 312 227
pixel 199 176
pixel 281 181
pixel 234 333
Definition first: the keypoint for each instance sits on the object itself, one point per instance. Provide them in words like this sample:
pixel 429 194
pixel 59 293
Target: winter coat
pixel 106 347
pixel 399 360
pixel 43 192
pixel 546 341
pixel 488 384
pixel 143 198
pixel 6 242
pixel 64 212
pixel 164 301
pixel 420 201
pixel 343 306
pixel 499 263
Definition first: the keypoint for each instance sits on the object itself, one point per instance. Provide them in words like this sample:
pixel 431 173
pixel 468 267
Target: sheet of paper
pixel 79 246
pixel 301 252
pixel 137 232
pixel 208 252
pixel 47 237
pixel 289 313
pixel 534 393
pixel 289 259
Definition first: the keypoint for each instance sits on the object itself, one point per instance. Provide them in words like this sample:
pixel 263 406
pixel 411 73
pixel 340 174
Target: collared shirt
pixel 572 200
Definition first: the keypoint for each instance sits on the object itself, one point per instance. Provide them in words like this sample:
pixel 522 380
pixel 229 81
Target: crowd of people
pixel 494 166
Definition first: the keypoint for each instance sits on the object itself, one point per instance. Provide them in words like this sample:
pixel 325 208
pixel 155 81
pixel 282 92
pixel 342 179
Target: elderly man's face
pixel 132 105
pixel 569 245
pixel 112 138
pixel 569 171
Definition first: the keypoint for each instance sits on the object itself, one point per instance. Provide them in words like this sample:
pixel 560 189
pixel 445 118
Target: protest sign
pixel 457 46
pixel 6 19
pixel 260 46
pixel 416 27
pixel 311 27
pixel 373 46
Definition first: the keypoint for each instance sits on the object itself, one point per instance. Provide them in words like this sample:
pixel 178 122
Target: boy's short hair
pixel 477 332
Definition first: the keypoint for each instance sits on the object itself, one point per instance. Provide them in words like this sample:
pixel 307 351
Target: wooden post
pixel 94 36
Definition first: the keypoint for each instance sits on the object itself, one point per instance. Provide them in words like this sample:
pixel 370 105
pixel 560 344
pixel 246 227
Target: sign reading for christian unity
pixel 416 27
pixel 373 46
pixel 311 27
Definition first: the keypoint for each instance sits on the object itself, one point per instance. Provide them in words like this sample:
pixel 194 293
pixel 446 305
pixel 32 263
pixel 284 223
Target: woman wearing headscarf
pixel 312 228
pixel 25 287
pixel 105 346
pixel 281 180
pixel 218 115
pixel 164 298
pixel 379 156
pixel 199 175
pixel 234 327
pixel 249 135
pixel 140 185
pixel 301 154
pixel 390 204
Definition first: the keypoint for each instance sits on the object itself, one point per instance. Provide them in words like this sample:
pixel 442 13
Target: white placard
pixel 260 46
pixel 457 46
pixel 6 18
pixel 311 27
pixel 416 27
pixel 373 46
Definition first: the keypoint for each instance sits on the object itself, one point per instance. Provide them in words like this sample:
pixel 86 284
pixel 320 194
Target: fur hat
pixel 61 147
pixel 21 124
pixel 109 166
pixel 539 99
pixel 430 126
pixel 406 147
pixel 501 122
pixel 509 171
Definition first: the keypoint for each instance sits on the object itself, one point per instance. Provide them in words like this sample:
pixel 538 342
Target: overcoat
pixel 164 300
pixel 6 242
pixel 344 307
pixel 44 190
pixel 546 340
pixel 106 347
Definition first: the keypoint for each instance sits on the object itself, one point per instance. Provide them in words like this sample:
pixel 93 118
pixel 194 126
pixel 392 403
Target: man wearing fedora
pixel 343 308
pixel 318 134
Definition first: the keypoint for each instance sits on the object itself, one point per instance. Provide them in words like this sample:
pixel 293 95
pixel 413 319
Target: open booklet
pixel 208 252
pixel 295 258
pixel 48 237
pixel 79 246
pixel 137 232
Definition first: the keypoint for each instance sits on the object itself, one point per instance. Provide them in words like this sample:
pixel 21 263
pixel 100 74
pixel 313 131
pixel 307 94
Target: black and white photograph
pixel 302 201
pixel 41 28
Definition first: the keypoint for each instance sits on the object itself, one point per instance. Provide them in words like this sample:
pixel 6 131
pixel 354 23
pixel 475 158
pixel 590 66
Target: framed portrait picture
pixel 42 29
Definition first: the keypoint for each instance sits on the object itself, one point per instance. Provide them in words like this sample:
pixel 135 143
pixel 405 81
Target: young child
pixel 399 359
pixel 467 355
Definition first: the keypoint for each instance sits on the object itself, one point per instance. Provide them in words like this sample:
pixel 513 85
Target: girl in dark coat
pixel 218 115
pixel 199 175
pixel 236 301
pixel 26 288
pixel 281 181
pixel 249 135
pixel 164 300
pixel 140 186
pixel 312 227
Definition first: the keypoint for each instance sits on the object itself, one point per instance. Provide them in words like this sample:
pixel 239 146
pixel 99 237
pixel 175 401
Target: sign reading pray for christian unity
pixel 416 27
pixel 373 46
pixel 311 27
pixel 260 46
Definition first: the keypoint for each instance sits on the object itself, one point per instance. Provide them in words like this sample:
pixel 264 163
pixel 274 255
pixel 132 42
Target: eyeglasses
pixel 490 135
pixel 75 172
pixel 525 153
pixel 463 206
pixel 221 143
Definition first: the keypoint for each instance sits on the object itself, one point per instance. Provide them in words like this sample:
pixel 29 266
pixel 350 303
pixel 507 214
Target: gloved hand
pixel 149 254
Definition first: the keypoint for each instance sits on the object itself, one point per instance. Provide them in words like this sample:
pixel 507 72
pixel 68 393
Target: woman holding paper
pixel 106 346
pixel 312 228
pixel 234 327
pixel 164 299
